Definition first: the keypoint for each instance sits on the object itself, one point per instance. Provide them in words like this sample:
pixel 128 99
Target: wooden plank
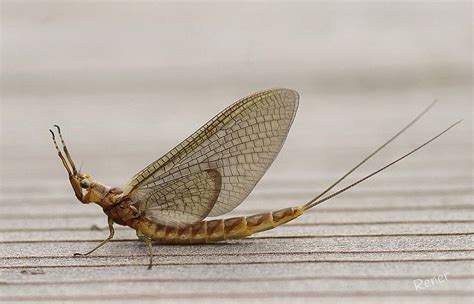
pixel 291 230
pixel 198 288
pixel 263 245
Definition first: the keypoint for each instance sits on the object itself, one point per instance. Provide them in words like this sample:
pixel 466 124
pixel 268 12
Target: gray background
pixel 127 81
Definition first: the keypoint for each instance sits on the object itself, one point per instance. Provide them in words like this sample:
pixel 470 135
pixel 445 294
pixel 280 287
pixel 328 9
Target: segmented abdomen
pixel 217 230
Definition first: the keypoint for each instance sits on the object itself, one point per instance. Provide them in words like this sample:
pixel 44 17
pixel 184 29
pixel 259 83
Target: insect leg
pixel 66 151
pixel 150 250
pixel 149 246
pixel 65 164
pixel 111 235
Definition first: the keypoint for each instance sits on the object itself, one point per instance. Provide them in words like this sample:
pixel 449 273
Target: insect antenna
pixel 80 166
pixel 373 153
pixel 69 158
pixel 317 202
pixel 61 156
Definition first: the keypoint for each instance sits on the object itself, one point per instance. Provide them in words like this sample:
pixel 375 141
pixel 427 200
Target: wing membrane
pixel 240 143
pixel 183 200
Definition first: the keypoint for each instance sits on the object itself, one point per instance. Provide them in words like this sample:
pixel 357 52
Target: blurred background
pixel 131 80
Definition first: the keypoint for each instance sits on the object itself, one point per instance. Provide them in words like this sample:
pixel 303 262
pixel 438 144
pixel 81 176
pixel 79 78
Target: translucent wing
pixel 183 200
pixel 238 145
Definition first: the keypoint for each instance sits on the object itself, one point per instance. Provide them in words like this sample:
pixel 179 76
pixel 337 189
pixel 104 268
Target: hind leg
pixel 149 245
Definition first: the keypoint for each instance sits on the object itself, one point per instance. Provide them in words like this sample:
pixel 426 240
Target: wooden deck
pixel 368 245
pixel 124 98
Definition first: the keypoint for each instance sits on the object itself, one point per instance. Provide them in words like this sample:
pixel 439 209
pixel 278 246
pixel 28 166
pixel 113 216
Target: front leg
pixel 111 235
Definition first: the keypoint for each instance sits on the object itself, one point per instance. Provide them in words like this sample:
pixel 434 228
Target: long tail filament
pixel 318 200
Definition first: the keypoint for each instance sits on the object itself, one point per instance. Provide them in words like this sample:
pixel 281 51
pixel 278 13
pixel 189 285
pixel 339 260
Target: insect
pixel 209 174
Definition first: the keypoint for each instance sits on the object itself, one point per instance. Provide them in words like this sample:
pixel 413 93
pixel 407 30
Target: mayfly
pixel 209 174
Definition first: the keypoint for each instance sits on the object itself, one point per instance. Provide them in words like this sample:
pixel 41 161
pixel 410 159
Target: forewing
pixel 240 143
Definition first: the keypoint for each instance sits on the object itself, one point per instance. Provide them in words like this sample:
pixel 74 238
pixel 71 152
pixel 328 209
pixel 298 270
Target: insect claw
pixel 52 133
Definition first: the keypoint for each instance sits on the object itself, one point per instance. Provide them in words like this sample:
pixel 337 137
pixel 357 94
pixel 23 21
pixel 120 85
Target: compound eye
pixel 85 183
